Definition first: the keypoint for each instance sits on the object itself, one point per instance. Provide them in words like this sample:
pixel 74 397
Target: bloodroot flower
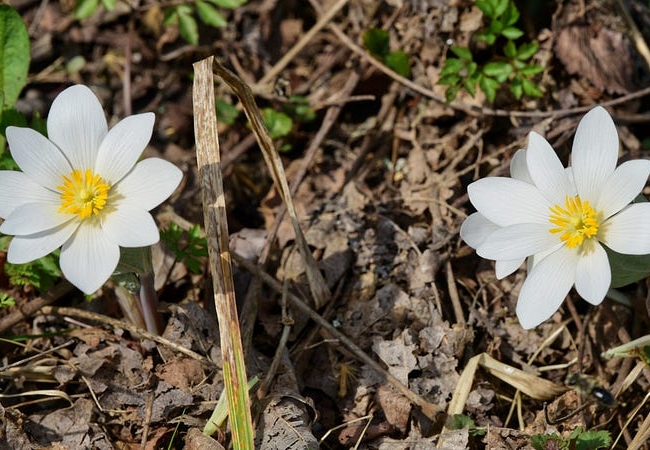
pixel 82 189
pixel 563 217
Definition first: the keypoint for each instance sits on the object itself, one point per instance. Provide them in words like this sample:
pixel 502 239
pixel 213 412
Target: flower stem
pixel 148 302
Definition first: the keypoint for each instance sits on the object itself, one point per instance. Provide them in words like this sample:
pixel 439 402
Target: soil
pixel 379 174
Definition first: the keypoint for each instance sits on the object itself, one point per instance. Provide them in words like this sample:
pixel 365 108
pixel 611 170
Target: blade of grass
pixel 319 290
pixel 216 227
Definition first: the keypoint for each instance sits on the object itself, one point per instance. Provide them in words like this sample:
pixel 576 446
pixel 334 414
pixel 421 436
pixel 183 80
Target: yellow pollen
pixel 576 221
pixel 83 194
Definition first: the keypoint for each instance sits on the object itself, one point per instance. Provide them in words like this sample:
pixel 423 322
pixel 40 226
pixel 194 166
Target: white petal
pixel 546 287
pixel 38 157
pixel 504 268
pixel 517 241
pixel 593 275
pixel 131 227
pixel 506 201
pixel 546 170
pixel 594 153
pixel 24 249
pixel 628 232
pixel 34 218
pixel 475 229
pixel 623 186
pixel 89 258
pixel 76 123
pixel 518 167
pixel 149 183
pixel 123 145
pixel 16 189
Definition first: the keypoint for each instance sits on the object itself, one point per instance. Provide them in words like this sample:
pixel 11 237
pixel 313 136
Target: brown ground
pixel 381 176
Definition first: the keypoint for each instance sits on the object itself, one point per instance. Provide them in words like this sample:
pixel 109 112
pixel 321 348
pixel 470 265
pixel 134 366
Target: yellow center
pixel 576 221
pixel 83 194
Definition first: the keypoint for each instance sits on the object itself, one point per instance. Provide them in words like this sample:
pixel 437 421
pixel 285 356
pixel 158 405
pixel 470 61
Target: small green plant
pixel 182 14
pixel 278 123
pixel 578 440
pixel 6 300
pixel 187 246
pixel 460 421
pixel 377 43
pixel 41 273
pixel 226 113
pixel 512 66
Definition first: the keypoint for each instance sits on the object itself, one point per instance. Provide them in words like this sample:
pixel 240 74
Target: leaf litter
pixel 380 205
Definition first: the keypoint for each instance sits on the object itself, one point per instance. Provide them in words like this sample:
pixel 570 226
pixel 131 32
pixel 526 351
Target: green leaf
pixel 170 16
pixel 228 4
pixel 511 16
pixel 462 52
pixel 376 41
pixel 517 88
pixel 470 86
pixel 209 15
pixel 531 70
pixel 299 108
pixel 486 36
pixel 399 62
pixel 188 27
pixel 486 7
pixel 451 92
pixel 14 55
pixel 452 67
pixel 499 70
pixel 546 441
pixel 279 124
pixel 593 440
pixel 500 7
pixel 512 33
pixel 449 79
pixel 530 88
pixel 489 86
pixel 85 9
pixel 496 28
pixel 627 269
pixel 527 50
pixel 109 4
pixel 510 49
pixel 226 113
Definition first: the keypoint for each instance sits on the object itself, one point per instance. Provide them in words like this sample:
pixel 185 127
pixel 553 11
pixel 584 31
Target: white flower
pixel 563 216
pixel 82 189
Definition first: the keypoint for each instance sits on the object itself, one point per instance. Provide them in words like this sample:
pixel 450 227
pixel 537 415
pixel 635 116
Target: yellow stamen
pixel 83 194
pixel 576 220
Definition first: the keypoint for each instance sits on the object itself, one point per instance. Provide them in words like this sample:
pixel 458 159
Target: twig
pixel 115 323
pixel 429 409
pixel 22 312
pixel 286 59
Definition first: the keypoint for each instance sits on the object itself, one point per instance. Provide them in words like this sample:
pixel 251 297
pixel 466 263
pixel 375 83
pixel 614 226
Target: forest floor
pixel 379 165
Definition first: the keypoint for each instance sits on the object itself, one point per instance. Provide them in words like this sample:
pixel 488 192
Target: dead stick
pixel 216 228
pixel 429 409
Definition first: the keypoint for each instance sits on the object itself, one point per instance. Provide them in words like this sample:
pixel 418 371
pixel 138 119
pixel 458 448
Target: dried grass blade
pixel 319 289
pixel 216 226
pixel 531 385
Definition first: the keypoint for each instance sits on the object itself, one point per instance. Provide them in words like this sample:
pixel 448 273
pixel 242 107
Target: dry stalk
pixel 319 290
pixel 216 226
